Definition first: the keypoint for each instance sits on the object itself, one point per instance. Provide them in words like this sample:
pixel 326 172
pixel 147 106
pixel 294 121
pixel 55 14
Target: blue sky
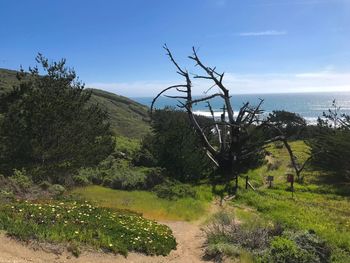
pixel 263 45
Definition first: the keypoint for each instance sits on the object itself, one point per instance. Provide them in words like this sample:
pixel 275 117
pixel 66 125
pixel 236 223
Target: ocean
pixel 308 105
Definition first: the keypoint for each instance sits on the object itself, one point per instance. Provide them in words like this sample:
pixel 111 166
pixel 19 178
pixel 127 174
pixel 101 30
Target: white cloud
pixel 243 83
pixel 263 33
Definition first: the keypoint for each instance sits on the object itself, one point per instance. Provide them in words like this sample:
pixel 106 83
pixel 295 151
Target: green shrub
pixel 154 176
pixel 6 195
pixel 219 250
pixel 284 250
pixel 126 147
pixel 310 242
pixel 107 182
pixel 128 180
pixel 74 248
pixel 80 180
pixel 21 179
pixel 298 247
pixel 56 189
pixel 144 158
pixel 82 224
pixel 254 236
pixel 174 190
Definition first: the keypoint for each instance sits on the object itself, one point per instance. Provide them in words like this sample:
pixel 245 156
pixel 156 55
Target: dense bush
pixel 255 236
pixel 80 224
pixel 298 247
pixel 118 174
pixel 286 251
pixel 127 179
pixel 174 190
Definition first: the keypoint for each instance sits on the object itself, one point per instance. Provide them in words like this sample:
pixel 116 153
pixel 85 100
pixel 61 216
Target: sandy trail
pixel 190 248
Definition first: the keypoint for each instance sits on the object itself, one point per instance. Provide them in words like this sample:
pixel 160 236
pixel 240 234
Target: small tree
pixel 290 123
pixel 331 145
pixel 175 147
pixel 49 127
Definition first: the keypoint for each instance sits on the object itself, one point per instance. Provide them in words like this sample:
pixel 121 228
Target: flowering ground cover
pixel 82 224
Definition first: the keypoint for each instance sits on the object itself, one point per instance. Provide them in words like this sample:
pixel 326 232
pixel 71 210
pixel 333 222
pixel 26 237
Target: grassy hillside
pixel 7 79
pixel 128 118
pixel 316 206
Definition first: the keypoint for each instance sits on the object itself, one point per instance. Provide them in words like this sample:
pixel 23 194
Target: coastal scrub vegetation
pixel 58 149
pixel 82 224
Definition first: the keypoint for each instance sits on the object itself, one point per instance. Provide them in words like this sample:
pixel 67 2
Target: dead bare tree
pixel 232 132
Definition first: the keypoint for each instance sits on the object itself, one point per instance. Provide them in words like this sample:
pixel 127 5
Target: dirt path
pixel 190 249
pixel 189 237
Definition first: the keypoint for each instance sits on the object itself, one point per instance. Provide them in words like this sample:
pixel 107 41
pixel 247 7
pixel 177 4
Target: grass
pixel 327 215
pixel 148 203
pixel 82 224
pixel 127 117
pixel 322 208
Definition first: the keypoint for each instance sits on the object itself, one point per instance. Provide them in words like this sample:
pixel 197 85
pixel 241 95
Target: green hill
pixel 128 118
pixel 7 79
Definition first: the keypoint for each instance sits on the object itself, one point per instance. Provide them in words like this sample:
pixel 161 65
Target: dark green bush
pixel 118 174
pixel 107 182
pixel 56 189
pixel 144 157
pixel 80 180
pixel 44 185
pixel 154 176
pixel 174 190
pixel 128 180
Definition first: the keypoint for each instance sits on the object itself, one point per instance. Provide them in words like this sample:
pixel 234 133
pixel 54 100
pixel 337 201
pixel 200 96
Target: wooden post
pixel 290 179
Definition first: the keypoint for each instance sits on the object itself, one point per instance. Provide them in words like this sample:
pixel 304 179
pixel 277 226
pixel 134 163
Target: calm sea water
pixel 308 105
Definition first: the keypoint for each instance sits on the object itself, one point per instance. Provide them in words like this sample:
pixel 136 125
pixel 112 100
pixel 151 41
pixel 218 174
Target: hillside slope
pixel 128 118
